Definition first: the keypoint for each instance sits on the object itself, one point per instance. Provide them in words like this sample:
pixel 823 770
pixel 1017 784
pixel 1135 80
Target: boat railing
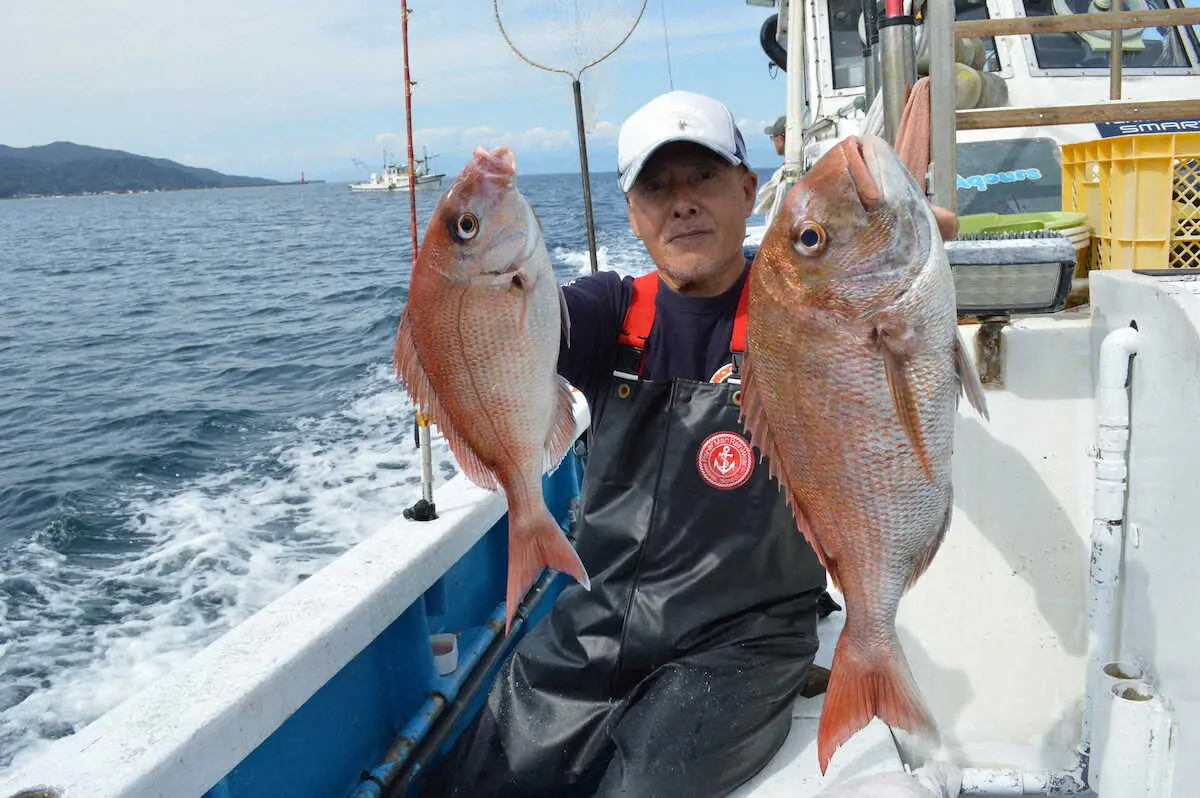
pixel 946 120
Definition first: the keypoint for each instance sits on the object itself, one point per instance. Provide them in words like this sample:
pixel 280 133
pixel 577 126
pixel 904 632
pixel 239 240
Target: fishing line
pixel 662 5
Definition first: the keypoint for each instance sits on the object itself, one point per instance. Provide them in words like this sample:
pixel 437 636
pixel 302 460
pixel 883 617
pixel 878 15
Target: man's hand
pixel 947 222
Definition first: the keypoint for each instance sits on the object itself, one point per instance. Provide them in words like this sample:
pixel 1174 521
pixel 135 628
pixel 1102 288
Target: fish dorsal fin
pixel 754 419
pixel 898 342
pixel 968 376
pixel 412 375
pixel 562 431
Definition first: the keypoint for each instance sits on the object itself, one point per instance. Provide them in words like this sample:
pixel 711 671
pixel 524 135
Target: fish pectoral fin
pixel 898 342
pixel 566 317
pixel 521 283
pixel 968 376
pixel 415 380
pixel 562 431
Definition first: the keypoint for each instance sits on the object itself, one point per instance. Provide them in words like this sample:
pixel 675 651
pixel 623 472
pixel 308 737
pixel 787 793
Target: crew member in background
pixel 766 194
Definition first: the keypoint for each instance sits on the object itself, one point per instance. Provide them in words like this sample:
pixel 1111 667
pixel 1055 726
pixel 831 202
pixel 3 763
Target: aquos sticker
pixel 1008 176
pixel 725 460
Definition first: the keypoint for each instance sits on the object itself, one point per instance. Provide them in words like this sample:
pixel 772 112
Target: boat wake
pixel 80 635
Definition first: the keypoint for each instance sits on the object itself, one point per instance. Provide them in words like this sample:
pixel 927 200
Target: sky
pixel 273 88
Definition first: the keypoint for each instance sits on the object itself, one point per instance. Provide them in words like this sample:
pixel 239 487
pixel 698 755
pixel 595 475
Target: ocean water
pixel 198 411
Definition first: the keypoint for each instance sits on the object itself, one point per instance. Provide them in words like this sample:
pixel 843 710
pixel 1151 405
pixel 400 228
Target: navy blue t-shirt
pixel 690 338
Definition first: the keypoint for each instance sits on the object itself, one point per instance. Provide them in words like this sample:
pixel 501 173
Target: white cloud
pixel 287 85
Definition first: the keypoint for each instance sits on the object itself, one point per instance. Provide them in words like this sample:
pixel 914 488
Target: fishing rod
pixel 424 509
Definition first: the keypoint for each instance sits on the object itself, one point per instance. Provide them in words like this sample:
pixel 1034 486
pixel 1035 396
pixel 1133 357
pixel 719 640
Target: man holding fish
pixel 675 673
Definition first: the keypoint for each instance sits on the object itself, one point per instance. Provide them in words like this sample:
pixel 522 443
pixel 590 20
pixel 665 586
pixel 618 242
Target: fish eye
pixel 467 226
pixel 810 239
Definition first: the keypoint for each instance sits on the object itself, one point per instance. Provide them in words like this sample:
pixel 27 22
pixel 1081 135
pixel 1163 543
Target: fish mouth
pixel 500 162
pixel 856 153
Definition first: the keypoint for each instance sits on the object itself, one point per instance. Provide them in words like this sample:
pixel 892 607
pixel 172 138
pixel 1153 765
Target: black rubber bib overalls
pixel 675 674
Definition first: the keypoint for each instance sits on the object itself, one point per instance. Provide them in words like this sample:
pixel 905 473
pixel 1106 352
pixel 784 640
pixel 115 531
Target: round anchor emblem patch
pixel 725 460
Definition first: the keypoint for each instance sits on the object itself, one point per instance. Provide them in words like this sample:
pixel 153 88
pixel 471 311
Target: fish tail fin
pixel 864 685
pixel 534 543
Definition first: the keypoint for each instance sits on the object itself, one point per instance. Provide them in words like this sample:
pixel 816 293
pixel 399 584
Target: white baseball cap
pixel 676 116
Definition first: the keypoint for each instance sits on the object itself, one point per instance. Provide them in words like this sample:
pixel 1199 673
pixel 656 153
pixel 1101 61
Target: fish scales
pixel 853 372
pixel 477 349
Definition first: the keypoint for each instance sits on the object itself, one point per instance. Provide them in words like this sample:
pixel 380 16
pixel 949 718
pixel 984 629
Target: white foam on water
pixel 623 257
pixel 214 552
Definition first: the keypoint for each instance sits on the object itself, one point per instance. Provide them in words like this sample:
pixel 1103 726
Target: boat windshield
pixel 846 45
pixel 1143 48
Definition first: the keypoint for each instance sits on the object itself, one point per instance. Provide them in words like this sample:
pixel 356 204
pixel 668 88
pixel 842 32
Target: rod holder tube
pixel 1108 522
pixel 1112 674
pixel 1138 762
pixel 426 447
pixel 898 70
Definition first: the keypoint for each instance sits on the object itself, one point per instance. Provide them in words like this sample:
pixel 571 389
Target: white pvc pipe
pixel 984 781
pixel 1108 524
pixel 1111 674
pixel 1140 735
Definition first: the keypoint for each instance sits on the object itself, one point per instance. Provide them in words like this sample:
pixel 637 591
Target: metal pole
pixel 587 181
pixel 1115 51
pixel 939 27
pixel 899 70
pixel 793 148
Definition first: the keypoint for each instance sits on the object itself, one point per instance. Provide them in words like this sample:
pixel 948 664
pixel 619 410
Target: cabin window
pixel 1144 48
pixel 846 45
pixel 970 11
pixel 1194 31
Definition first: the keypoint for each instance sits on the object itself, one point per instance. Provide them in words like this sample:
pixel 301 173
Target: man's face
pixel 778 140
pixel 689 207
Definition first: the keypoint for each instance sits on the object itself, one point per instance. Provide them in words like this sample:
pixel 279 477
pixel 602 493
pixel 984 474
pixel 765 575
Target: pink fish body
pixel 854 370
pixel 477 349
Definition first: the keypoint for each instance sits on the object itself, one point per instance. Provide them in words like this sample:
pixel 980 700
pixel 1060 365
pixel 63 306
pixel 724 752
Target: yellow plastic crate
pixel 1141 195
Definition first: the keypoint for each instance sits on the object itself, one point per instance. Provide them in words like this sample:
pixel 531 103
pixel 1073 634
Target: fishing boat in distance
pixel 395 177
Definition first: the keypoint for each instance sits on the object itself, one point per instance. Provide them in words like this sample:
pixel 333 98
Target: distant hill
pixel 66 168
